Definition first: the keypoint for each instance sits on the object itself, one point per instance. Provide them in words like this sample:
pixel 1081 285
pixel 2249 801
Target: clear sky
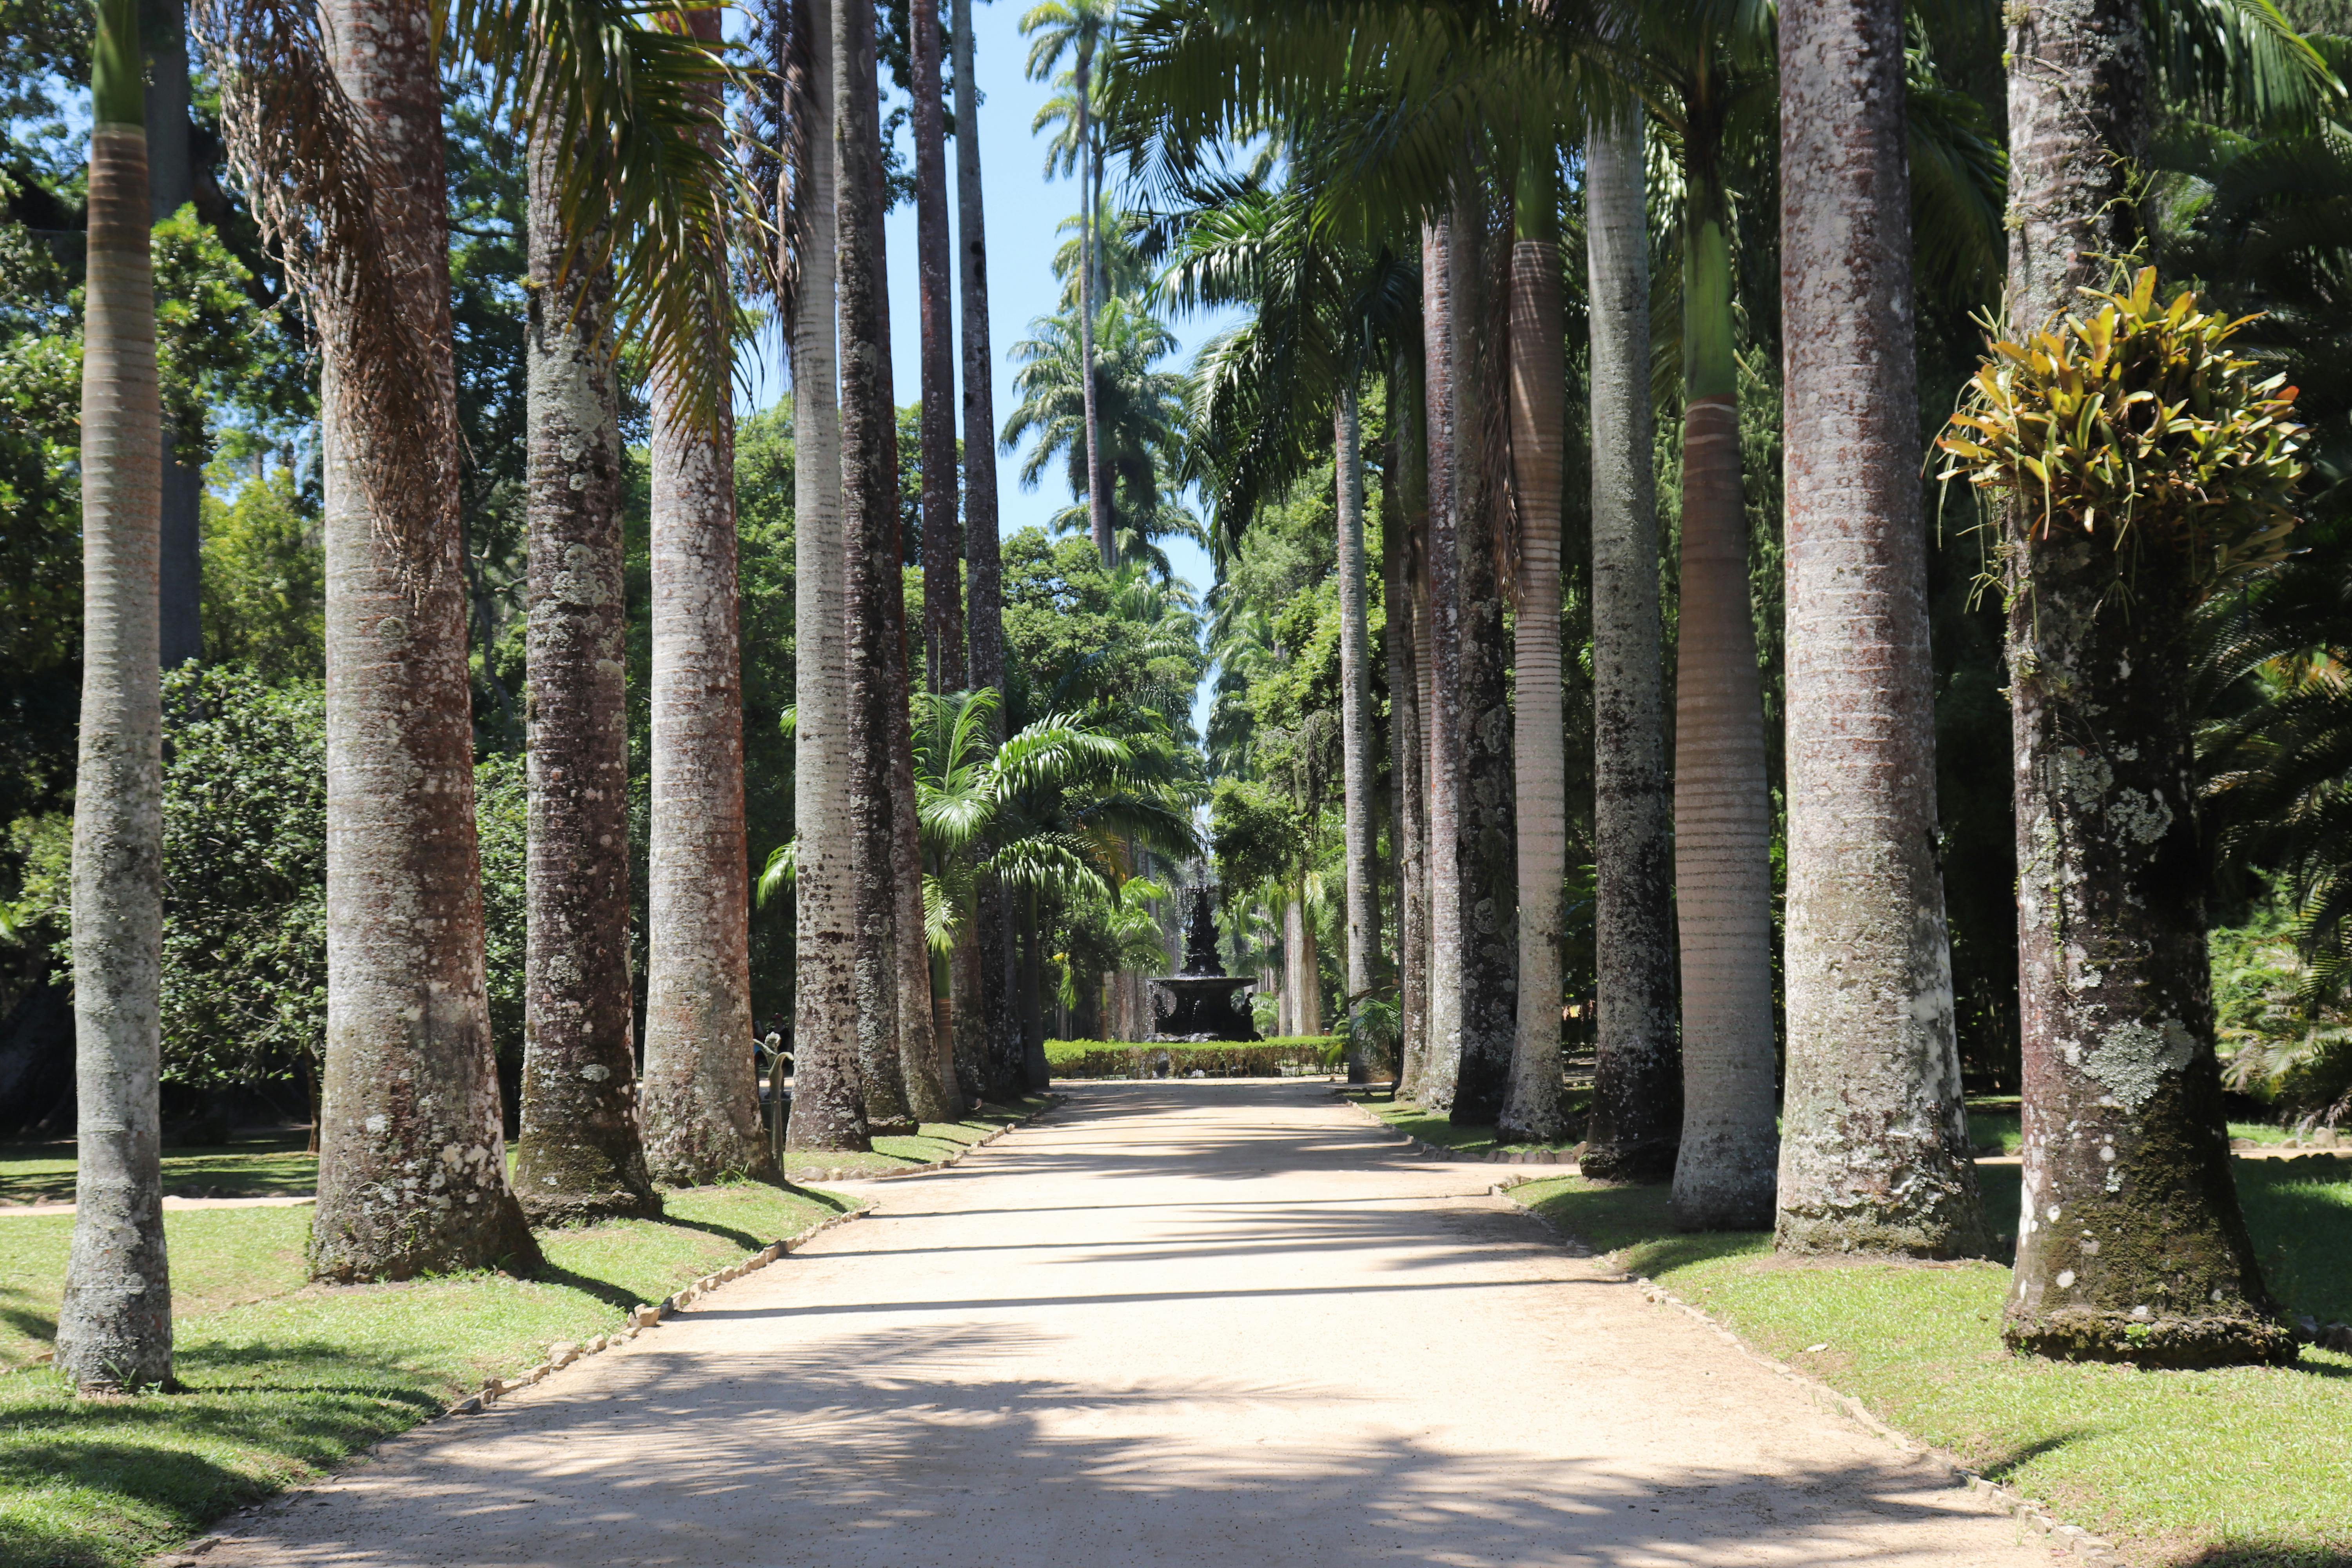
pixel 1024 210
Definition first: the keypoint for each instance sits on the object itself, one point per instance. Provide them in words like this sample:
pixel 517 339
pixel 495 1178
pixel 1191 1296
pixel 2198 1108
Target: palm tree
pixel 114 1327
pixel 344 165
pixel 701 1093
pixel 2125 1145
pixel 1637 1077
pixel 1439 1070
pixel 1875 1152
pixel 1082 29
pixel 1403 520
pixel 943 634
pixel 828 1089
pixel 581 1154
pixel 1531 1107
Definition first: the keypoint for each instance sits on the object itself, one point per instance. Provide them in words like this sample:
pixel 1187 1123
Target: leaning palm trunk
pixel 580 1155
pixel 1538 381
pixel 1637 1089
pixel 1875 1152
pixel 1723 874
pixel 702 1095
pixel 1355 721
pixel 1488 827
pixel 869 507
pixel 114 1328
pixel 2131 1247
pixel 828 1092
pixel 1408 821
pixel 1434 1077
pixel 988 1027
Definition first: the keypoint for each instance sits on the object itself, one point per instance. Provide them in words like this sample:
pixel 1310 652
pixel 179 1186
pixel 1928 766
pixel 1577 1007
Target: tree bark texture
pixel 702 1093
pixel 1723 818
pixel 943 634
pixel 1433 1083
pixel 988 1059
pixel 1356 766
pixel 412 1155
pixel 1531 1107
pixel 114 1327
pixel 1488 827
pixel 1409 824
pixel 869 508
pixel 1875 1154
pixel 1098 520
pixel 1637 1089
pixel 828 1091
pixel 580 1153
pixel 170 185
pixel 2131 1245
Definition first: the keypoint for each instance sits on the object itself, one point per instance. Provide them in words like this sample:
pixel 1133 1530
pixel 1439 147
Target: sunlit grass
pixel 1432 1127
pixel 249 1167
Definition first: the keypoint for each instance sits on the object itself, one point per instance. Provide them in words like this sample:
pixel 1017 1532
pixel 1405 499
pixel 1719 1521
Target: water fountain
pixel 1203 1003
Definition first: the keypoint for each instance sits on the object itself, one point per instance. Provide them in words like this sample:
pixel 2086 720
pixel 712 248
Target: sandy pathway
pixel 1187 1324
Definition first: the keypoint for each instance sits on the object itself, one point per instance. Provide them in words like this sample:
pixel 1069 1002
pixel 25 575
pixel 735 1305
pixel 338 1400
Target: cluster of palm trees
pixel 1429 139
pixel 644 223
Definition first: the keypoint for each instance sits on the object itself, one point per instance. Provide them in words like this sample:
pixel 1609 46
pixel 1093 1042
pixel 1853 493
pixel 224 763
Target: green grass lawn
pixel 250 1167
pixel 1993 1126
pixel 283 1380
pixel 1469 1139
pixel 2244 1467
pixel 927 1145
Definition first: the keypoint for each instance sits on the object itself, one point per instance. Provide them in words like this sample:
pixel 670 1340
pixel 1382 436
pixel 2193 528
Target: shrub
pixel 1288 1056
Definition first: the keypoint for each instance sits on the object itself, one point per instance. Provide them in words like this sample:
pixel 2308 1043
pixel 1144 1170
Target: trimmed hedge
pixel 1288 1057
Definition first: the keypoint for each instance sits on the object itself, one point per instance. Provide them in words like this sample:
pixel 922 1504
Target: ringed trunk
pixel 1355 721
pixel 1433 1084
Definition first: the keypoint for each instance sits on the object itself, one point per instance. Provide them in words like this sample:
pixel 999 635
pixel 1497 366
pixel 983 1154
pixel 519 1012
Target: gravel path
pixel 1173 1323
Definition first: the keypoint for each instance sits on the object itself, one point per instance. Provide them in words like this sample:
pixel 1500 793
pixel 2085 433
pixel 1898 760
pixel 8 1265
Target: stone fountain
pixel 1204 1003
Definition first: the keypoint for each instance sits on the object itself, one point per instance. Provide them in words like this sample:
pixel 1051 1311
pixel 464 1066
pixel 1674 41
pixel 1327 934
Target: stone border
pixel 2032 1515
pixel 812 1173
pixel 1438 1151
pixel 560 1355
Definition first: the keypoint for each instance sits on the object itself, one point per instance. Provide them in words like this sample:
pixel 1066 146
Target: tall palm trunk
pixel 1723 875
pixel 412 1159
pixel 1097 491
pixel 2131 1245
pixel 943 636
pixel 702 1094
pixel 170 185
pixel 582 1154
pixel 1355 718
pixel 828 1091
pixel 1433 1083
pixel 1874 1151
pixel 1538 381
pixel 1487 828
pixel 985 957
pixel 114 1328
pixel 1637 1088
pixel 1402 518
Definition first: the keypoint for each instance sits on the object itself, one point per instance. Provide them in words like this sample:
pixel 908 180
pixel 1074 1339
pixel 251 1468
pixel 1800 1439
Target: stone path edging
pixel 841 1174
pixel 2090 1548
pixel 1440 1152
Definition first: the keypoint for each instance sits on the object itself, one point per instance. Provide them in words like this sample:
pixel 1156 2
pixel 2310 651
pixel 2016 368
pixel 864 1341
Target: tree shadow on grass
pixel 2270 1554
pixel 2008 1461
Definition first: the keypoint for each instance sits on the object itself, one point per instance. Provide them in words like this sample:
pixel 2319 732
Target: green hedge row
pixel 1288 1056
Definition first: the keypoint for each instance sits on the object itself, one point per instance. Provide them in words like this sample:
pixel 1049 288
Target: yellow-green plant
pixel 2137 423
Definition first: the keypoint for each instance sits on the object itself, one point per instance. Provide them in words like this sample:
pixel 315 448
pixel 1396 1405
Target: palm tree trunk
pixel 1875 1152
pixel 580 1153
pixel 828 1089
pixel 1723 820
pixel 1637 1089
pixel 702 1093
pixel 1098 492
pixel 114 1328
pixel 2132 1246
pixel 984 1045
pixel 1433 1083
pixel 171 185
pixel 943 634
pixel 410 1076
pixel 1531 1106
pixel 869 505
pixel 1403 517
pixel 1355 714
pixel 1488 827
